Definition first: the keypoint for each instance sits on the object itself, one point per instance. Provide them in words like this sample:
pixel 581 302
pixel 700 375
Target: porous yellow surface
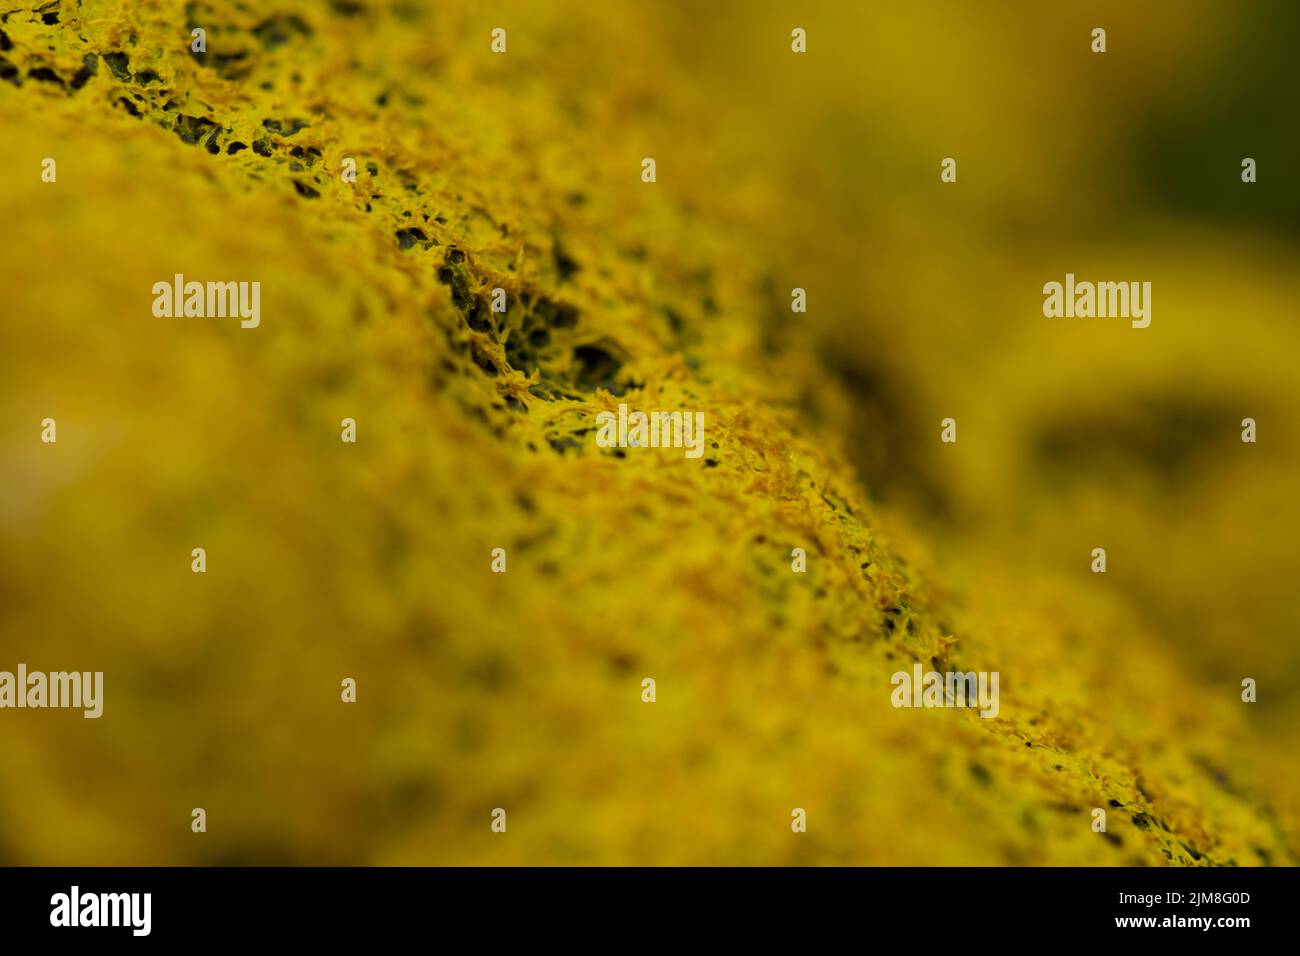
pixel 522 690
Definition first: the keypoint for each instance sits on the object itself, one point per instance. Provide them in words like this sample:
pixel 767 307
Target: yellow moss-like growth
pixel 475 431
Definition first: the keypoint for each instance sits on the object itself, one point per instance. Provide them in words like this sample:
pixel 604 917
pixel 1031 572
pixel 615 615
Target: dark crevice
pixel 406 238
pixel 565 264
pixel 89 67
pixel 597 368
pixel 46 75
pixel 285 127
pixel 117 65
pixel 192 129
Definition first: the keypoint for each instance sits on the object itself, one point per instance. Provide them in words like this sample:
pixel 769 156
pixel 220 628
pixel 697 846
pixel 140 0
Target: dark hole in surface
pixel 563 445
pixel 476 315
pixel 460 296
pixel 565 264
pixel 231 66
pixel 89 67
pixel 117 65
pixel 566 317
pixel 557 315
pixel 597 368
pixel 191 129
pixel 483 360
pixel 285 127
pixel 409 237
pixel 45 75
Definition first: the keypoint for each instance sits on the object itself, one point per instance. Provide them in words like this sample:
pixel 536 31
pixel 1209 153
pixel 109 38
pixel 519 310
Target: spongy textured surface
pixel 327 560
